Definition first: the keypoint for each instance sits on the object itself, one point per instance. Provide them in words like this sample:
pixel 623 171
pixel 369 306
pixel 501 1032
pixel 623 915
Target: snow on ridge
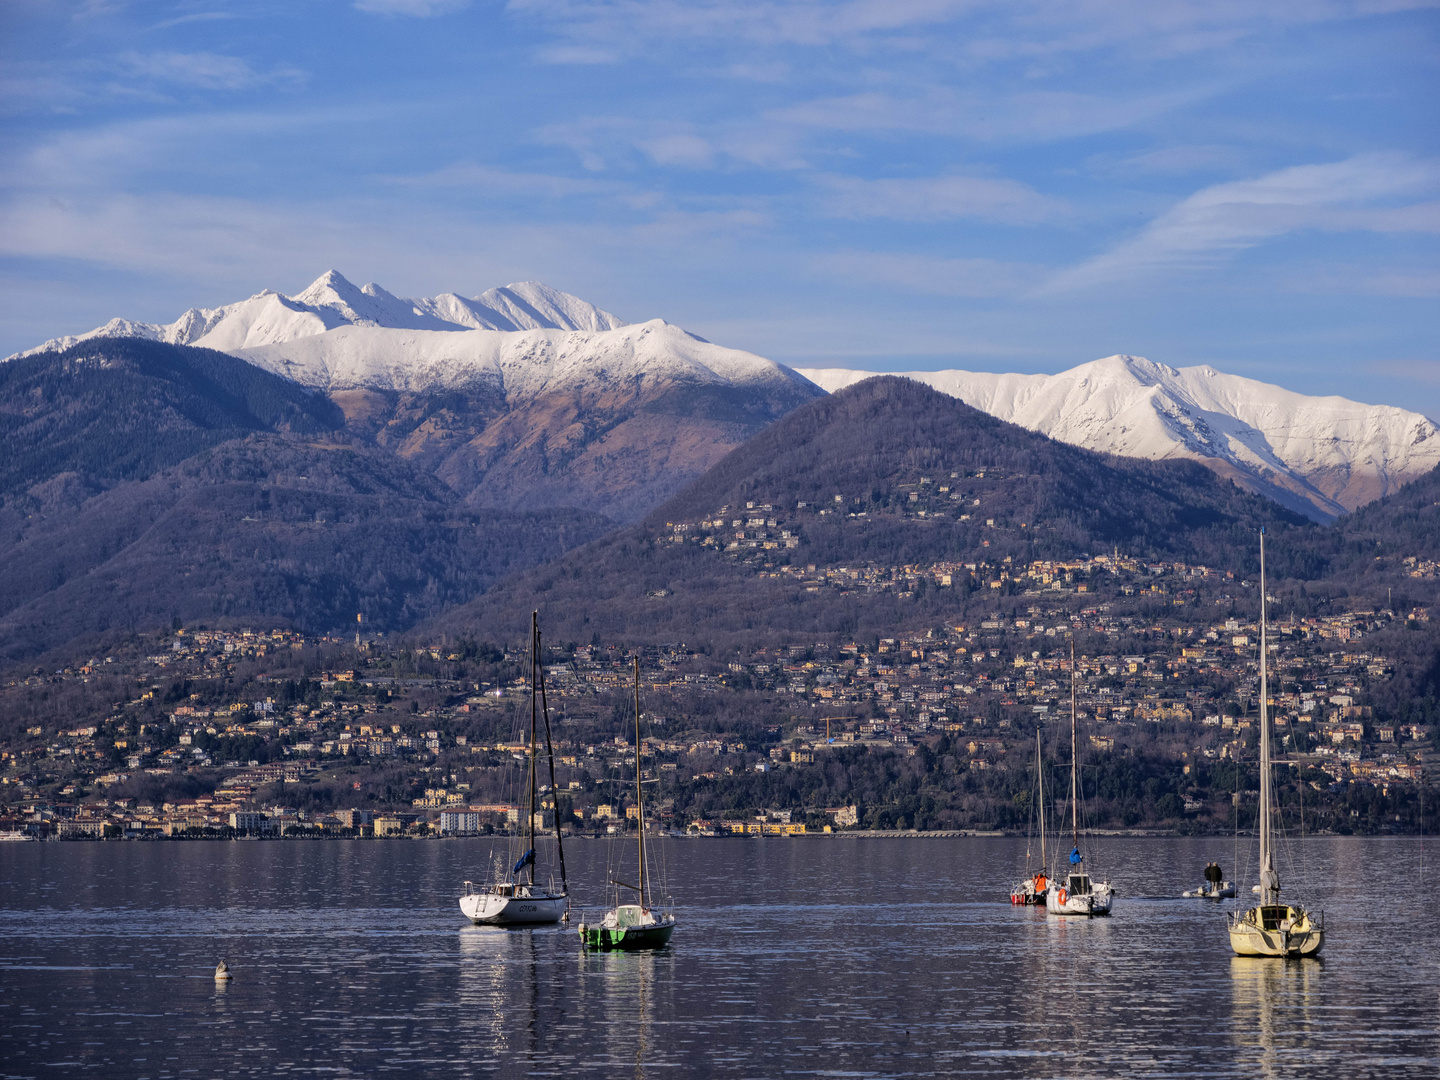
pixel 331 301
pixel 520 364
pixel 525 337
pixel 1322 455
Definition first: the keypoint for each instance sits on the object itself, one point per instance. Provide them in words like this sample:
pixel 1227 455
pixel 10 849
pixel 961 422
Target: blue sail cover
pixel 1075 857
pixel 528 859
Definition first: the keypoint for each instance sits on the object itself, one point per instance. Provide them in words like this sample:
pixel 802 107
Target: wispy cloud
pixel 990 115
pixel 765 21
pixel 930 275
pixel 1421 371
pixel 489 179
pixel 422 9
pixel 604 142
pixel 1368 193
pixel 1397 281
pixel 195 17
pixel 1182 160
pixel 980 31
pixel 128 153
pixel 205 70
pixel 941 198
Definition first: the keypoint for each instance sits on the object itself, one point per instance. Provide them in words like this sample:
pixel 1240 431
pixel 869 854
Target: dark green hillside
pixel 123 408
pixel 887 448
pixel 266 530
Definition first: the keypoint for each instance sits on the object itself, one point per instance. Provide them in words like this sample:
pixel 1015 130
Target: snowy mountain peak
pixel 332 301
pixel 329 288
pixel 1322 456
pixel 524 339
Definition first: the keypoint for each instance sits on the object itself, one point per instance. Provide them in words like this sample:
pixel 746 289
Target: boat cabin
pixel 631 915
pixel 1272 915
pixel 1079 884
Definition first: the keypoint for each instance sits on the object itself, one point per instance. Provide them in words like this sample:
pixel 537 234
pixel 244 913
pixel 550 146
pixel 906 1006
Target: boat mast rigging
pixel 1269 879
pixel 550 754
pixel 639 793
pixel 1074 757
pixel 1040 774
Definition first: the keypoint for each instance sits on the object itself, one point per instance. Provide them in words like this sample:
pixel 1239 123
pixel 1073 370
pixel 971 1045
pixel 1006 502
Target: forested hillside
pixel 143 483
pixel 123 408
pixel 886 473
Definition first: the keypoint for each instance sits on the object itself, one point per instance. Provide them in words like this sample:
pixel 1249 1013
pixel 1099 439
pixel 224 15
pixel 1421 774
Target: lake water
pixel 802 957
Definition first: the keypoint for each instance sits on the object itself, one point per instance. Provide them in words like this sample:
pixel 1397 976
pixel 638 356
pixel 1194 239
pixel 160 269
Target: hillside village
pixel 233 732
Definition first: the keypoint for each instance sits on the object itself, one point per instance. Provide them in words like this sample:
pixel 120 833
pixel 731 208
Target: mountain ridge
pixel 331 301
pixel 888 473
pixel 1321 456
pixel 579 372
pixel 142 482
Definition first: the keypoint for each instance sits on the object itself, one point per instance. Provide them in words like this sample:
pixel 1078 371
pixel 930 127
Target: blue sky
pixel 1014 185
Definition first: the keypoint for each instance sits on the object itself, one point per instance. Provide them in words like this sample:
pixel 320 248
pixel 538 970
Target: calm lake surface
pixel 801 957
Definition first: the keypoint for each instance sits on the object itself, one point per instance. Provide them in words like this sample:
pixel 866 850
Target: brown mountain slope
pixel 618 450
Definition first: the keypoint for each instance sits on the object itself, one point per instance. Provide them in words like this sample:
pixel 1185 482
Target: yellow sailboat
pixel 1272 928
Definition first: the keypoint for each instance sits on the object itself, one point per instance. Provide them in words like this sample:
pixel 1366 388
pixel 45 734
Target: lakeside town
pixel 210 732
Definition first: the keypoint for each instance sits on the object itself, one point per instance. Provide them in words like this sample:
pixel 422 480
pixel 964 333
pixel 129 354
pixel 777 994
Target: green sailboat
pixel 632 926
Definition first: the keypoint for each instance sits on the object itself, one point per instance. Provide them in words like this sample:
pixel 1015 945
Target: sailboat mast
pixel 554 788
pixel 534 666
pixel 639 794
pixel 1267 875
pixel 1074 757
pixel 1040 773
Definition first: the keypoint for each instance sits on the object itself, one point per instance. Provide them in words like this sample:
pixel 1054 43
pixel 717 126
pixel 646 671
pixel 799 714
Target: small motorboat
pixel 1215 887
pixel 222 972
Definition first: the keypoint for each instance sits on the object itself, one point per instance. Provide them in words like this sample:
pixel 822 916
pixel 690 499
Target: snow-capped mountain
pixel 1322 456
pixel 524 340
pixel 526 343
pixel 269 318
pixel 521 364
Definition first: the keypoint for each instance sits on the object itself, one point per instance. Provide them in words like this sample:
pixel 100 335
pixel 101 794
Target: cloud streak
pixel 979 31
pixel 942 198
pixel 1365 193
pixel 930 275
pixel 420 9
pixel 205 70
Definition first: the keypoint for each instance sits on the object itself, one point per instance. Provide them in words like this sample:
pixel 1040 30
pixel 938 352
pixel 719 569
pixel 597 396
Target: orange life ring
pixel 1063 896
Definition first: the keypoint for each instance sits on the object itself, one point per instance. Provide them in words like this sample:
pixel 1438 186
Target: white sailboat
pixel 515 897
pixel 1272 928
pixel 1077 893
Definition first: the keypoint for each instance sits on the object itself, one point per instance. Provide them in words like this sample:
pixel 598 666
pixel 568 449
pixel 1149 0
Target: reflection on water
pixel 1272 1001
pixel 840 956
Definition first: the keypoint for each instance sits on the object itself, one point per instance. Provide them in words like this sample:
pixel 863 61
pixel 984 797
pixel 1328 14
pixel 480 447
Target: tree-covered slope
pixel 885 473
pixel 123 408
pixel 260 531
